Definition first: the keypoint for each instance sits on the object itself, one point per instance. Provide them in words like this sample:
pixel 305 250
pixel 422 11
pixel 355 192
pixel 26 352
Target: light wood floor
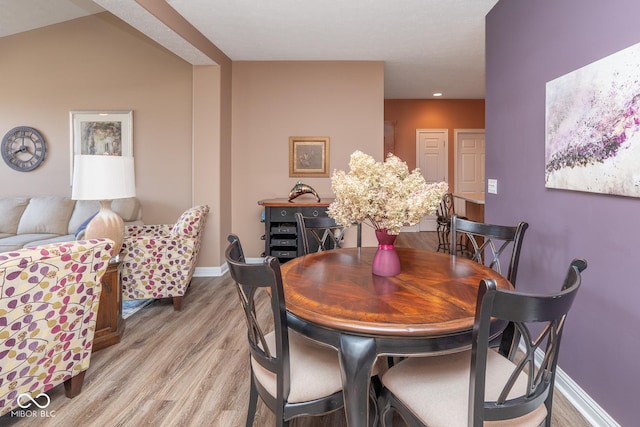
pixel 188 368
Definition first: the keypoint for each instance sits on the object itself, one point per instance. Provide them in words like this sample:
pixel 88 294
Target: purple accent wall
pixel 529 43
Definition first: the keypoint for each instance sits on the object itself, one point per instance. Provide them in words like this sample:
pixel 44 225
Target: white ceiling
pixel 17 16
pixel 427 45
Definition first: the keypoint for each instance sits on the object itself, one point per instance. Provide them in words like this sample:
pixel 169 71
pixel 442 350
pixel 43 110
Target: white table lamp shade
pixel 104 178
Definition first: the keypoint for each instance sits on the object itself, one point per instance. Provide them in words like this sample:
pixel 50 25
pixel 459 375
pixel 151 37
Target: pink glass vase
pixel 386 261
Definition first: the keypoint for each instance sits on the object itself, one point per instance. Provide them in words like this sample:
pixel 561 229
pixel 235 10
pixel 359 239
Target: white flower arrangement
pixel 384 194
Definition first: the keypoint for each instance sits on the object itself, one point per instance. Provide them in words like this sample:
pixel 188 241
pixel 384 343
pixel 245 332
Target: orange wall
pixel 412 114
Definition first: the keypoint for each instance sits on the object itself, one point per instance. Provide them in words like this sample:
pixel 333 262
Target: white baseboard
pixel 221 270
pixel 211 271
pixel 587 407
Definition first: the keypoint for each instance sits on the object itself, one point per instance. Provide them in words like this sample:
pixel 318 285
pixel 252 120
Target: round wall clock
pixel 23 148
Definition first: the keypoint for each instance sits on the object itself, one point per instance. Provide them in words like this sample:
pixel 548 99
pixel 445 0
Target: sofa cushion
pixel 11 209
pixel 42 240
pixel 128 209
pixel 83 210
pixel 80 231
pixel 46 214
pixel 21 240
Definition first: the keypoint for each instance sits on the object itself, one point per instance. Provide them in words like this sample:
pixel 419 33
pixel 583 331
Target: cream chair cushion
pixel 436 389
pixel 314 369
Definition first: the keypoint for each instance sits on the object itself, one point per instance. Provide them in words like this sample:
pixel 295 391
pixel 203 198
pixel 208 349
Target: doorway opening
pixel 469 158
pixel 432 157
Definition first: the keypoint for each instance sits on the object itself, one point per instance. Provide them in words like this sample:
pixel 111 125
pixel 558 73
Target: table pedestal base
pixel 357 356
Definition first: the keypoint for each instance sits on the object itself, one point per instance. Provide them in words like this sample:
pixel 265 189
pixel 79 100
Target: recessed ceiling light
pixel 437 94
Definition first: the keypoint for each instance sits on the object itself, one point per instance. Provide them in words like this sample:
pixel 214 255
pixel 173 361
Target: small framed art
pixel 101 132
pixel 309 156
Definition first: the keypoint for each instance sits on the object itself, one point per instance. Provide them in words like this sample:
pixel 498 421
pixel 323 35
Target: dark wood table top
pixel 302 202
pixel 435 294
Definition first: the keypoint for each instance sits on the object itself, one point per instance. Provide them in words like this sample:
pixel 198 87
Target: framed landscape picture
pixel 101 132
pixel 309 156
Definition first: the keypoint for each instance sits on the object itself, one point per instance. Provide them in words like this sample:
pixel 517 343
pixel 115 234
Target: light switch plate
pixel 492 186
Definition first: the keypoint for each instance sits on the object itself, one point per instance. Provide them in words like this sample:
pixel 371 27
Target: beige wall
pixel 190 145
pixel 212 159
pixel 206 158
pixel 275 100
pixel 99 62
pixel 211 134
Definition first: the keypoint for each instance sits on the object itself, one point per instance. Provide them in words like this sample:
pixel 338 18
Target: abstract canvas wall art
pixel 592 138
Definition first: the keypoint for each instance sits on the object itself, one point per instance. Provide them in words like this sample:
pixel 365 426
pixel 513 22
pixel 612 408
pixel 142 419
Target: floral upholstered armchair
pixel 49 299
pixel 158 260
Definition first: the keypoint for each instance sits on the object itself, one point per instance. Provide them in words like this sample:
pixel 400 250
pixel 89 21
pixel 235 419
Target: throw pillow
pixel 46 214
pixel 11 209
pixel 83 226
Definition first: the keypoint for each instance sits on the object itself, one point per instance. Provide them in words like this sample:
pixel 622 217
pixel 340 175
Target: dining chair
pixel 444 213
pixel 488 243
pixel 293 375
pixel 321 233
pixel 478 385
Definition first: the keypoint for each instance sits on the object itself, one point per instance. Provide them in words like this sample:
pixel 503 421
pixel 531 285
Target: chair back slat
pixel 490 243
pixel 446 210
pixel 528 312
pixel 254 281
pixel 293 376
pixel 321 233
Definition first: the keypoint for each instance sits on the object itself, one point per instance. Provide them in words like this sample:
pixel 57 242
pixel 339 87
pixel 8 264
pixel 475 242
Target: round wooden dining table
pixel 333 297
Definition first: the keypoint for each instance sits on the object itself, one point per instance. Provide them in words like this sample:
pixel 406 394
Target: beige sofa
pixel 40 220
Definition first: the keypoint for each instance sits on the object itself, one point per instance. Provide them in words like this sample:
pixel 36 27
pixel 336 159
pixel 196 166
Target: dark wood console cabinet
pixel 282 237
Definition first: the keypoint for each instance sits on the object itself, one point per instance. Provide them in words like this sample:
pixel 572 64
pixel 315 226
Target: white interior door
pixel 469 164
pixel 432 159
